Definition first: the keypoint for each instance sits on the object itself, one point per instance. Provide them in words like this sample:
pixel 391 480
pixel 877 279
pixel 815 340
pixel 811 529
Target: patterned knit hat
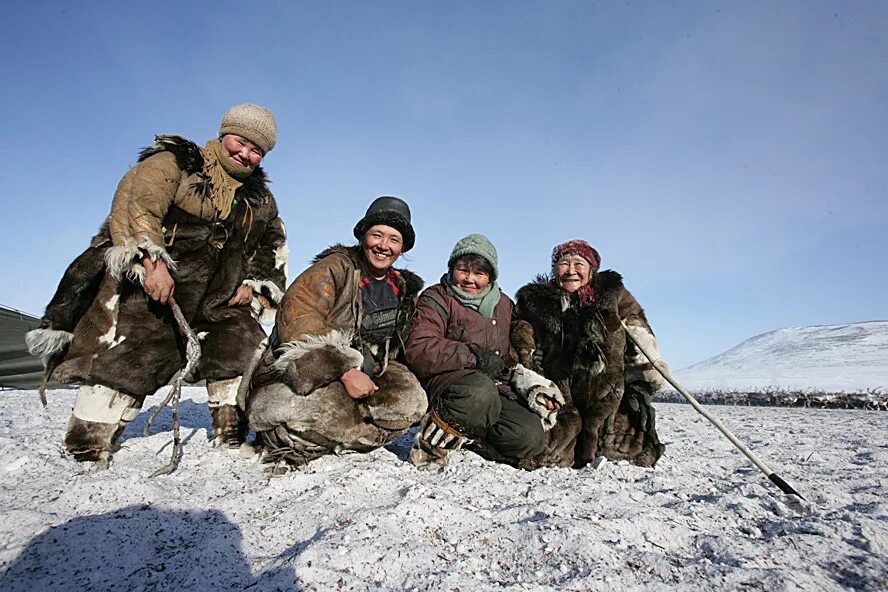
pixel 390 211
pixel 252 122
pixel 475 244
pixel 577 247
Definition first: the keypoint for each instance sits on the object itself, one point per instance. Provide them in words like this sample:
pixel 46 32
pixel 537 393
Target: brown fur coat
pixel 585 351
pixel 100 327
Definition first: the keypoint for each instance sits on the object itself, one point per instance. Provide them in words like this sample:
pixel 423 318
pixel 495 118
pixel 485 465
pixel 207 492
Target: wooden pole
pixel 658 364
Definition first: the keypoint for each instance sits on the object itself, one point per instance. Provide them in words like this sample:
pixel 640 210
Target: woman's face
pixel 572 272
pixel 241 151
pixel 382 247
pixel 470 279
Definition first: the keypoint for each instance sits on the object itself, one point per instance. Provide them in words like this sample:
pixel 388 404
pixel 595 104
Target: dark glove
pixel 639 406
pixel 488 362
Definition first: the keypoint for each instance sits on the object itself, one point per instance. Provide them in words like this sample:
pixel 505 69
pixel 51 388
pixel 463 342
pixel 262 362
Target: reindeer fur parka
pixel 317 328
pixel 101 327
pixel 586 353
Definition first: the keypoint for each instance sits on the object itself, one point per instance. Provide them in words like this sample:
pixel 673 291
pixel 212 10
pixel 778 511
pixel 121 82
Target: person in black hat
pixel 332 376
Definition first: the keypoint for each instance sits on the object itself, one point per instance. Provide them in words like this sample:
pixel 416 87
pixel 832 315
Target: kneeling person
pixel 330 380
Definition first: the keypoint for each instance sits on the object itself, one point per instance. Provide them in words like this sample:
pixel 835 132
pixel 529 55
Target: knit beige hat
pixel 251 122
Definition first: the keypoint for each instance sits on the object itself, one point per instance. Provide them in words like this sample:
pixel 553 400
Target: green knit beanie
pixel 475 244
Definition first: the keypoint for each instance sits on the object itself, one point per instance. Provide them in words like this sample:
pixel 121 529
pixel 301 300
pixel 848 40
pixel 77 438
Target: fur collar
pixel 411 284
pixel 190 159
pixel 541 300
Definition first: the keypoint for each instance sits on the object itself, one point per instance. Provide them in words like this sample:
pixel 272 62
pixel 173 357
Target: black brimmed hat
pixel 390 211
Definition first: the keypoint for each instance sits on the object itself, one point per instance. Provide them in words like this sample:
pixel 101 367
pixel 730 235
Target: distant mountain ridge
pixel 851 358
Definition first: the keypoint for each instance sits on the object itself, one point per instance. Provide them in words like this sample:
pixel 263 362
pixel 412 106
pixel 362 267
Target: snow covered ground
pixel 848 358
pixel 703 519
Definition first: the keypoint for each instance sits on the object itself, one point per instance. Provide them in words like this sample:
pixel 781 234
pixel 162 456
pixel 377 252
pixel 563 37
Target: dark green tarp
pixel 18 368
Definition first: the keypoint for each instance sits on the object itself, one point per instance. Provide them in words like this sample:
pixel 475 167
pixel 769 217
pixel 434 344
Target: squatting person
pixel 331 379
pixel 195 223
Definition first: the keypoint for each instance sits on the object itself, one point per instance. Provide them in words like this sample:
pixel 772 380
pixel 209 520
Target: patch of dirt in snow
pixel 703 519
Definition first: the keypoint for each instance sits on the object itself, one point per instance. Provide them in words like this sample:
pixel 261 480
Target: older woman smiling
pixel 577 341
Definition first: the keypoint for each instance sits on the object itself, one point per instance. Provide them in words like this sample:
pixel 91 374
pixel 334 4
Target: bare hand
pixel 357 384
pixel 265 302
pixel 159 284
pixel 551 404
pixel 243 296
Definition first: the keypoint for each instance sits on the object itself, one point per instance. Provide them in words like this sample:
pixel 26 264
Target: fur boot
pixel 100 416
pixel 229 422
pixel 435 440
pixel 229 426
pixel 287 450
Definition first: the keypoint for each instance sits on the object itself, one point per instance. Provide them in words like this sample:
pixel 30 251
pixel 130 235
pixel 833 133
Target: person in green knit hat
pixel 459 348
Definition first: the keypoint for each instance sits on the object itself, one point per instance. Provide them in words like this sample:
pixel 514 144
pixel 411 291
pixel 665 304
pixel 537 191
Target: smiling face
pixel 469 276
pixel 382 245
pixel 572 273
pixel 241 151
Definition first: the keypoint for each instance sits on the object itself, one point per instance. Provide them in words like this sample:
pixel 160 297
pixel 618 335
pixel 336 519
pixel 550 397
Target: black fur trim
pixel 607 281
pixel 412 282
pixel 190 159
pixel 255 188
pixel 187 153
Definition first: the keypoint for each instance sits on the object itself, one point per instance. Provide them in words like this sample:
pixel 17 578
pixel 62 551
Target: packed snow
pixel 846 358
pixel 703 519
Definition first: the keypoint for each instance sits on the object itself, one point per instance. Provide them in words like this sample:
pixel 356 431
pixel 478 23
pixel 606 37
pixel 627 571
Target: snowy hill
pixel 850 358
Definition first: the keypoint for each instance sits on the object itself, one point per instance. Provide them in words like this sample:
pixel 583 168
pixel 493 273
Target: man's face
pixel 382 247
pixel 241 151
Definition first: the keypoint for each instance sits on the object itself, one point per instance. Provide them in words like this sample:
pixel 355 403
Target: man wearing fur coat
pixel 195 223
pixel 570 322
pixel 332 377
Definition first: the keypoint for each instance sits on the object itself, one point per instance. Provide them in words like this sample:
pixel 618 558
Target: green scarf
pixel 482 303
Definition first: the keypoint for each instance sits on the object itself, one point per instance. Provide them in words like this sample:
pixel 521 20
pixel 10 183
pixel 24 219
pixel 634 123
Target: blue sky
pixel 729 159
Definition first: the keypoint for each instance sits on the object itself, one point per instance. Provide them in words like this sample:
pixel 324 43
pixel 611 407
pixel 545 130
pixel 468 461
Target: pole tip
pixel 784 486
